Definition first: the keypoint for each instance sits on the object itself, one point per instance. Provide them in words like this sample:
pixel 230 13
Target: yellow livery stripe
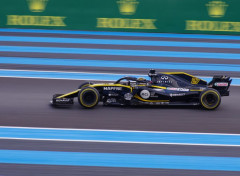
pixel 70 93
pixel 159 87
pixel 109 85
pixel 139 98
pixel 196 90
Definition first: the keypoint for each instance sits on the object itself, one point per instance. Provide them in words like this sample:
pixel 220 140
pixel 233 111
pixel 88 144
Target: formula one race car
pixel 173 88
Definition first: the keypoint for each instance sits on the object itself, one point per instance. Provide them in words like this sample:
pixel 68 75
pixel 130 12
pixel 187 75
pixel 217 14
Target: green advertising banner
pixel 171 16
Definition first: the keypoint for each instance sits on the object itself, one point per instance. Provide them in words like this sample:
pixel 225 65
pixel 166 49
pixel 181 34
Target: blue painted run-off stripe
pixel 79 76
pixel 120 64
pixel 119 42
pixel 62 75
pixel 120 136
pixel 132 34
pixel 119 52
pixel 120 160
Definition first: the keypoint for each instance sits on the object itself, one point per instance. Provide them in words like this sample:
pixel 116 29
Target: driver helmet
pixel 141 79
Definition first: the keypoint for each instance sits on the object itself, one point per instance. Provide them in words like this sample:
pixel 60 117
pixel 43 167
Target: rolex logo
pixel 37 5
pixel 127 7
pixel 216 9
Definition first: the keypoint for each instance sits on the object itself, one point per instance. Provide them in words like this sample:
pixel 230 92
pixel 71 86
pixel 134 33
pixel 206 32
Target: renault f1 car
pixel 167 88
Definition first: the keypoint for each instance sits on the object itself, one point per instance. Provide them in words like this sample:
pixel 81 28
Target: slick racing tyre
pixel 88 97
pixel 85 84
pixel 210 99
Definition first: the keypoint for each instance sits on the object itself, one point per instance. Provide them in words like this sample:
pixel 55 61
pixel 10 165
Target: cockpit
pixel 132 81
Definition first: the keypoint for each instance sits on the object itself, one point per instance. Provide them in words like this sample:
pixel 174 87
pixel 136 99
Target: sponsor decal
pixel 153 95
pixel 111 100
pixel 33 20
pixel 195 80
pixel 29 20
pixel 37 5
pixel 177 89
pixel 164 81
pixel 216 9
pixel 113 95
pixel 126 8
pixel 145 94
pixel 112 88
pixel 199 89
pixel 126 23
pixel 128 96
pixel 222 26
pixel 177 95
pixel 164 77
pixel 63 100
pixel 221 84
pixel 162 103
pixel 155 103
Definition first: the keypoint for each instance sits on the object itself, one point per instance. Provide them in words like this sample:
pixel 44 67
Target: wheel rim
pixel 89 97
pixel 210 99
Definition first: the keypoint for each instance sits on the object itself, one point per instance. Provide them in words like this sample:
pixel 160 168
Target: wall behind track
pixel 170 16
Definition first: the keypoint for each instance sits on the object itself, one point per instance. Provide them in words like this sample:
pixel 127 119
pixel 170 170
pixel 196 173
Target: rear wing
pixel 221 84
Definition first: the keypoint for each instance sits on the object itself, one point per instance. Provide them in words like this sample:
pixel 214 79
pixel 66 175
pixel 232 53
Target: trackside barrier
pixel 171 16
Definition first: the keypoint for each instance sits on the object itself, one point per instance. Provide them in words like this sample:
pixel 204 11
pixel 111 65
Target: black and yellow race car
pixel 166 88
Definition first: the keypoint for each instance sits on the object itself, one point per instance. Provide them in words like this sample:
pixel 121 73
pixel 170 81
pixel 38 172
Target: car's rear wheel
pixel 210 99
pixel 88 97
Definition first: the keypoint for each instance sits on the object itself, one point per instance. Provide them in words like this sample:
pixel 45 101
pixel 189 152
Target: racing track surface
pixel 25 102
pixel 49 170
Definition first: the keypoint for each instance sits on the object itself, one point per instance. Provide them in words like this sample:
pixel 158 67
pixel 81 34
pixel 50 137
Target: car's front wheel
pixel 88 97
pixel 210 99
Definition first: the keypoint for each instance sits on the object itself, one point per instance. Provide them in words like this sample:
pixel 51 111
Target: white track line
pixel 123 142
pixel 129 131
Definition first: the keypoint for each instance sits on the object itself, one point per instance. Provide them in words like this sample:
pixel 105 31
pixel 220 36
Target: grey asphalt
pixel 25 102
pixel 98 147
pixel 53 170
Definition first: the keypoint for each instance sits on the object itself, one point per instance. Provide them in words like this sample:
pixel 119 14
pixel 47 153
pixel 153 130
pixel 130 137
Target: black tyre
pixel 85 84
pixel 88 97
pixel 210 99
